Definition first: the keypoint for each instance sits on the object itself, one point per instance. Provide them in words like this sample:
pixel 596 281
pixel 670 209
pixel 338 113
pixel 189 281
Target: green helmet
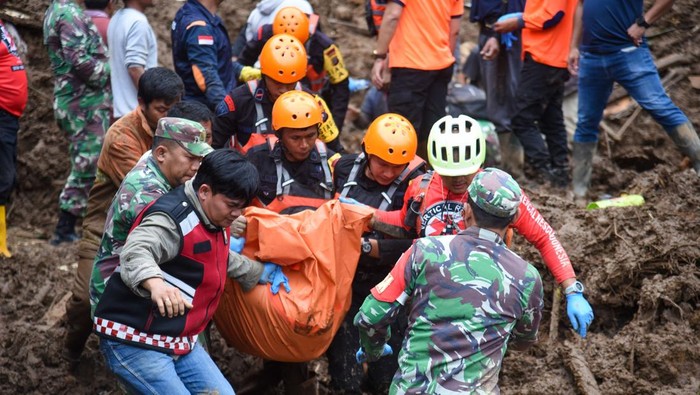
pixel 456 146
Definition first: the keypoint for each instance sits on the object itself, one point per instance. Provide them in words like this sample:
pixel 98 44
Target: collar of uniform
pixel 192 195
pixel 213 18
pixel 262 86
pixel 483 234
pixel 276 153
pixel 153 165
pixel 144 121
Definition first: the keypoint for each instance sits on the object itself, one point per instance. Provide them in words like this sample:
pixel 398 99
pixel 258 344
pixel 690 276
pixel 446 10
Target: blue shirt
pixel 605 24
pixel 201 48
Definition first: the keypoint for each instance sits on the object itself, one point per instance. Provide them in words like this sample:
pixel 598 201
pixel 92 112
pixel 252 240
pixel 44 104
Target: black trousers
pixel 9 125
pixel 538 112
pixel 420 96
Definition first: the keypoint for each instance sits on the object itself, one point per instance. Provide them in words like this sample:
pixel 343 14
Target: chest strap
pixel 285 180
pixel 415 205
pixel 352 177
pixel 261 120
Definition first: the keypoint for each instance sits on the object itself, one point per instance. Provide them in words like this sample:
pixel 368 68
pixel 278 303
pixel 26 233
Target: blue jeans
pixel 634 69
pixel 146 371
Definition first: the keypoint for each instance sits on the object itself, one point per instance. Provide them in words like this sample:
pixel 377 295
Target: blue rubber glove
pixel 355 84
pixel 361 357
pixel 579 311
pixel 352 201
pixel 509 38
pixel 272 273
pixel 236 244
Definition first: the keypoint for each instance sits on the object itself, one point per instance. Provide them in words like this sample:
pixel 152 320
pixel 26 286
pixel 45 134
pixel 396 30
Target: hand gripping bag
pixel 319 251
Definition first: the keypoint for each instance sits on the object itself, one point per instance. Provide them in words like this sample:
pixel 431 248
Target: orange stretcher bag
pixel 319 251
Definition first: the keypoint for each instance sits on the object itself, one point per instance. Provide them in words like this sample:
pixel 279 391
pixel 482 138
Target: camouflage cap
pixel 189 134
pixel 495 192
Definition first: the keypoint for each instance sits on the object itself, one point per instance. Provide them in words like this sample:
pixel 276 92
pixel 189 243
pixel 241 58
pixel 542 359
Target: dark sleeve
pixel 390 250
pixel 252 49
pixel 340 97
pixel 204 58
pixel 224 125
pixel 238 43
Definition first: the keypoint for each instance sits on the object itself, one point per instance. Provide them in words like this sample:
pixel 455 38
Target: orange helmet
pixel 283 58
pixel 291 20
pixel 392 138
pixel 296 110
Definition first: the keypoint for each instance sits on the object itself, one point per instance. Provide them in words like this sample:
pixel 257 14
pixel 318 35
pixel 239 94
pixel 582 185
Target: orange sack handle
pixel 319 251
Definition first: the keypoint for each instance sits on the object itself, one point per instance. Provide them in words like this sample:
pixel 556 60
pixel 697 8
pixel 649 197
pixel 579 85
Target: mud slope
pixel 640 265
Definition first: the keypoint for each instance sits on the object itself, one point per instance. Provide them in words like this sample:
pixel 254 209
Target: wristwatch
pixel 576 287
pixel 641 22
pixel 378 55
pixel 366 246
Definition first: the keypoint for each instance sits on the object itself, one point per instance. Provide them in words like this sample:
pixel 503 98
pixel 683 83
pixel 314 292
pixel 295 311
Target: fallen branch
pixel 617 234
pixel 576 362
pixel 352 26
pixel 608 131
pixel 631 362
pixel 554 321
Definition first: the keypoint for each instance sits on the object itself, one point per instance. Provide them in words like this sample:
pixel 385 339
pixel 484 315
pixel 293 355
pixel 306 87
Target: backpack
pixel 374 12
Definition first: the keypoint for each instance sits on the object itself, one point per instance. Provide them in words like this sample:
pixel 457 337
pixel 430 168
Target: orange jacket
pixel 548 28
pixel 125 142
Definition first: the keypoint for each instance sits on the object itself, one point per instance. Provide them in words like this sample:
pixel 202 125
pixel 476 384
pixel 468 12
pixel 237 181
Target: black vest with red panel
pixel 198 271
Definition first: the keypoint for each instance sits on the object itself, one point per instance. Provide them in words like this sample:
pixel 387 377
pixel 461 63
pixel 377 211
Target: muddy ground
pixel 640 265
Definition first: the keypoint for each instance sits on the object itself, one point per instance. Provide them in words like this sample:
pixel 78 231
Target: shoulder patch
pixel 195 23
pixel 229 103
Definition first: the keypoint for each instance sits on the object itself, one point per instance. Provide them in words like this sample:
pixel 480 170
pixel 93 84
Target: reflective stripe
pixel 402 298
pixel 187 291
pixel 353 175
pixel 321 148
pixel 189 223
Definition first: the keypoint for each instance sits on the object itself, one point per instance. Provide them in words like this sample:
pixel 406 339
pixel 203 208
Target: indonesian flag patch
pixel 205 40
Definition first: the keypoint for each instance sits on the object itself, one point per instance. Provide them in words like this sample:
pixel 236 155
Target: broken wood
pixel 631 361
pixel 576 362
pixel 618 135
pixel 554 321
pixel 41 294
pixel 57 311
pixel 694 81
pixel 19 18
pixel 608 130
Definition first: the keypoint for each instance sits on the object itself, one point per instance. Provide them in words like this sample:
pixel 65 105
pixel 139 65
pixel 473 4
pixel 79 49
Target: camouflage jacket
pixel 468 295
pixel 142 185
pixel 78 58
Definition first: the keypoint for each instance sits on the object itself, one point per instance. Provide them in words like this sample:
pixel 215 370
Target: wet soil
pixel 640 264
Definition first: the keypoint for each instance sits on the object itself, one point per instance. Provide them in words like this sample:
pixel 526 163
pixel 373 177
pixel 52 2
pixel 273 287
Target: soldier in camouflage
pixel 469 296
pixel 178 148
pixel 82 102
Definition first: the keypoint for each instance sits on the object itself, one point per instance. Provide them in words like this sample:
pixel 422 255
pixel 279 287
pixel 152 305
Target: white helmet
pixel 456 146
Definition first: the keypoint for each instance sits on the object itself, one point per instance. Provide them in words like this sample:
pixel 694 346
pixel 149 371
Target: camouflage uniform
pixel 469 295
pixel 82 94
pixel 142 185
